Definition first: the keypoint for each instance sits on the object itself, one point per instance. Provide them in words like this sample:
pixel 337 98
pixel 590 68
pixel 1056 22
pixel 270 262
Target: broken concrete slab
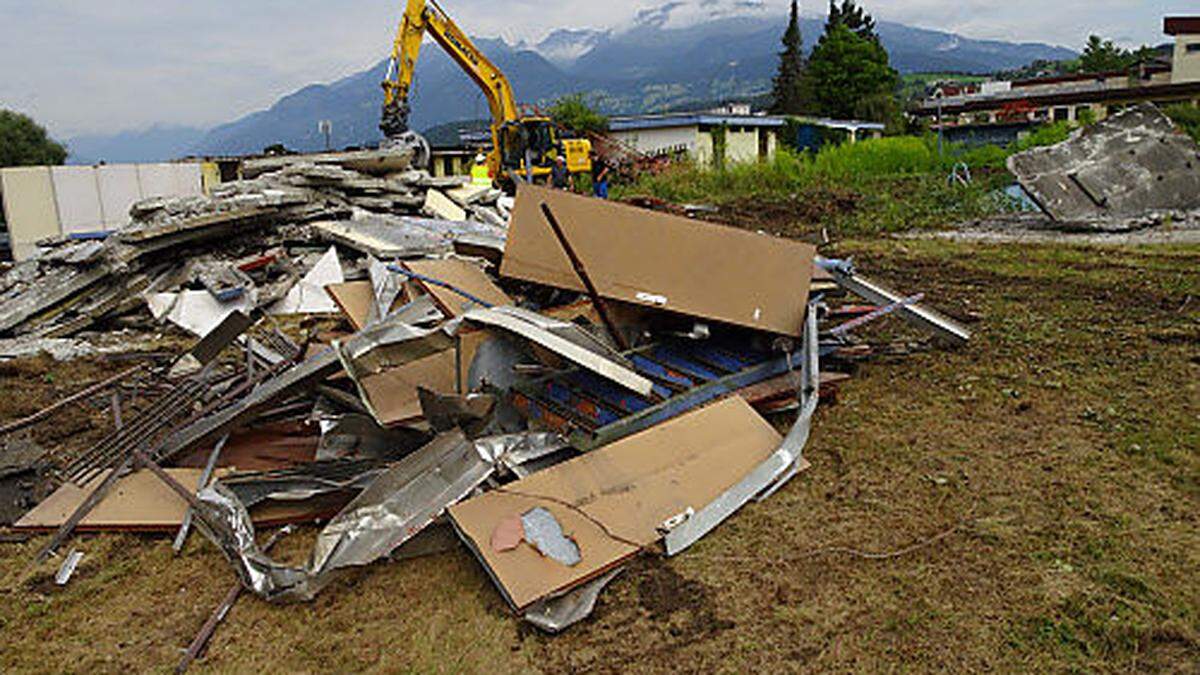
pixel 1131 163
pixel 439 205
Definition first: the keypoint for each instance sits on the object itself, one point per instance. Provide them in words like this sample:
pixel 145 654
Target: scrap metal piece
pixel 556 614
pixel 89 391
pixel 443 412
pixel 63 575
pixel 568 341
pixel 397 505
pixel 231 328
pixel 385 288
pixel 196 649
pixel 919 315
pixel 878 312
pixel 389 343
pixel 205 477
pixel 1127 164
pixel 304 482
pixel 516 451
pixel 358 436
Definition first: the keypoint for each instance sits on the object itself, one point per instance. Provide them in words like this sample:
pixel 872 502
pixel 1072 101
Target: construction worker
pixel 479 172
pixel 560 175
pixel 600 171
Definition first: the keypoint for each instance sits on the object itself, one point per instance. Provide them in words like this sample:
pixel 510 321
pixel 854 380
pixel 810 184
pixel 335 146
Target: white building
pixel 708 137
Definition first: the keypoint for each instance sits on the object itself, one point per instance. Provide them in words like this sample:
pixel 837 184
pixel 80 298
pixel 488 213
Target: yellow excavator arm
pixel 514 138
pixel 420 17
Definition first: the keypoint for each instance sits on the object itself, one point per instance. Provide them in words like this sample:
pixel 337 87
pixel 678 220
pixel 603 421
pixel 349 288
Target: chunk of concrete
pixel 438 205
pixel 1131 163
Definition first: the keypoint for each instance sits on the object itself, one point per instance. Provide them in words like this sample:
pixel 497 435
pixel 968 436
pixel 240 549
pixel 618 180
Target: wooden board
pixel 393 393
pixel 630 487
pixel 660 260
pixel 462 274
pixel 138 501
pixel 354 298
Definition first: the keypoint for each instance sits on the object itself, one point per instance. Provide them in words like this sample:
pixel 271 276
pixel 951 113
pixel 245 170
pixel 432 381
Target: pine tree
pixel 849 76
pixel 786 93
pixel 853 17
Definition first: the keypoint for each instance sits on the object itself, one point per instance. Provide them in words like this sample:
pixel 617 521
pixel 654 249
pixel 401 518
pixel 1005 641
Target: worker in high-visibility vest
pixel 479 172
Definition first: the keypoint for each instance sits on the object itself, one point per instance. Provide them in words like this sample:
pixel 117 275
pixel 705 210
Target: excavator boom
pixel 516 140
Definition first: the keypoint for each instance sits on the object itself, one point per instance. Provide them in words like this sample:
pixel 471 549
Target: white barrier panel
pixel 29 209
pixel 43 202
pixel 119 190
pixel 77 194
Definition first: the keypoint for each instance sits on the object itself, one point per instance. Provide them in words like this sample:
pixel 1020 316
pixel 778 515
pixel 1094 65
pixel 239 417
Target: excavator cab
pixel 535 138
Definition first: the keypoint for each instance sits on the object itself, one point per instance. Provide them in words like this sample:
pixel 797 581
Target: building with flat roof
pixel 708 137
pixel 964 110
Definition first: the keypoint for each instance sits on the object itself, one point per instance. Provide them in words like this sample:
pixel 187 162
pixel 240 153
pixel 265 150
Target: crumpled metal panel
pixel 516 450
pixel 556 614
pixel 567 340
pixel 385 288
pixel 401 502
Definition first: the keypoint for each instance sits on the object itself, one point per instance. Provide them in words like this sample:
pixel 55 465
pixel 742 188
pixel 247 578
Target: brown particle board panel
pixel 661 260
pixel 393 393
pixel 612 500
pixel 461 274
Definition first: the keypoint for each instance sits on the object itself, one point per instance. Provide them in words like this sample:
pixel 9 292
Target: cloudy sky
pixel 100 67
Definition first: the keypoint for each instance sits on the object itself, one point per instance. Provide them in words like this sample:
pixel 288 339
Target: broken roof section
pixel 1129 164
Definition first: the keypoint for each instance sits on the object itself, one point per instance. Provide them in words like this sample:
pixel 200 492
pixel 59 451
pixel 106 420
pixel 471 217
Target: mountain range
pixel 652 64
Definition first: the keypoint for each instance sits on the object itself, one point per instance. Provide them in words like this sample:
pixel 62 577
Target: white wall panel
pixel 78 197
pixel 118 191
pixel 157 180
pixel 29 209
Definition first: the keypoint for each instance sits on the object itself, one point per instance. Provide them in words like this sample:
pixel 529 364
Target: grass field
pixel 1034 496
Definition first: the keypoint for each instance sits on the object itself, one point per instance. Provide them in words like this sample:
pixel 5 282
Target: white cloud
pixel 121 64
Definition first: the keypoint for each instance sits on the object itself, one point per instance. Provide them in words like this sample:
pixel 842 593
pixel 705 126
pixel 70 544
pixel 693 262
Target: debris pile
pixel 229 243
pixel 559 384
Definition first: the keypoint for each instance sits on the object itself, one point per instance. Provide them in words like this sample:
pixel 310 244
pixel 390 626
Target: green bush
pixel 896 155
pixel 1047 134
pixel 1187 117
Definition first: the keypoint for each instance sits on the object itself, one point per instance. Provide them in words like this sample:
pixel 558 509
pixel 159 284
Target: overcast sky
pixel 110 65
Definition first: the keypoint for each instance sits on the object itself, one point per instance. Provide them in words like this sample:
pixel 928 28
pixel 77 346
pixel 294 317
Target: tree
pixel 573 112
pixel 1101 56
pixel 24 142
pixel 853 17
pixel 786 94
pixel 849 75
